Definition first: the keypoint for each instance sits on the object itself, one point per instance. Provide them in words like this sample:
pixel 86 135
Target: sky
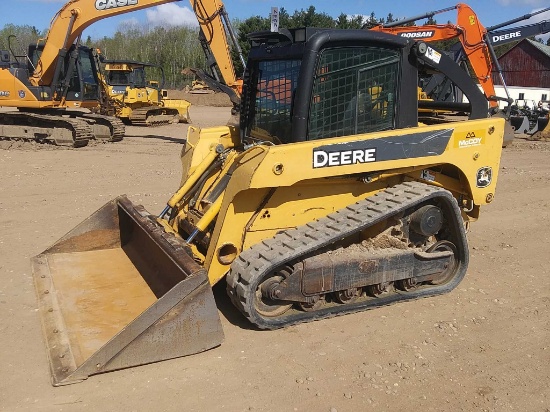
pixel 39 13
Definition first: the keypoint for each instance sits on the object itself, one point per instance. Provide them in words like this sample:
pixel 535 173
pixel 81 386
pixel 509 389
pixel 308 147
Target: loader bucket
pixel 118 291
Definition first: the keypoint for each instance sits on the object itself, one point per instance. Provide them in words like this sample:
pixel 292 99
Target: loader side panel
pixel 283 186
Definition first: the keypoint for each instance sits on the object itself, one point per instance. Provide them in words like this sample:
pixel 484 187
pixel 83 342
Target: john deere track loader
pixel 329 198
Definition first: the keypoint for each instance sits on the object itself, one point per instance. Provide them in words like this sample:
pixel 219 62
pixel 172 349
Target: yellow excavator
pixel 136 100
pixel 329 197
pixel 57 77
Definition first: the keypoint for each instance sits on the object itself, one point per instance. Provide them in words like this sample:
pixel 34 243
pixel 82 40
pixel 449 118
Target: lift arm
pixel 500 37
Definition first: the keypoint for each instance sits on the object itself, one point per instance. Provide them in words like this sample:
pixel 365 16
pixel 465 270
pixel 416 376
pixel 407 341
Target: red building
pixel 527 64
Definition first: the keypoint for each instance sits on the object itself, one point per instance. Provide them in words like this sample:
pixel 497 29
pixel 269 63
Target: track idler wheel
pixel 266 303
pixel 449 272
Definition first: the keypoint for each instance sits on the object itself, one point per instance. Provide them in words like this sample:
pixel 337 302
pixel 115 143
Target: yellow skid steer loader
pixel 330 197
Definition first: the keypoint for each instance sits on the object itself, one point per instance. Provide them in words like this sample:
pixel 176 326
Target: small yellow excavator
pixel 136 100
pixel 329 197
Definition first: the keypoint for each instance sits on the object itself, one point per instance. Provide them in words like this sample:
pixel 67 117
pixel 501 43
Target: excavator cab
pixel 76 78
pixel 77 73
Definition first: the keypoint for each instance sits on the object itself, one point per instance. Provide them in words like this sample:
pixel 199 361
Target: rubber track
pixel 82 132
pixel 139 117
pixel 253 264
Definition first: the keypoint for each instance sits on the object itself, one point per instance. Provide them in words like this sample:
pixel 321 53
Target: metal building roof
pixel 542 47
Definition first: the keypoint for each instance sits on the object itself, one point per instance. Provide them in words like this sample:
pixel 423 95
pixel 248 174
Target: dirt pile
pixel 201 99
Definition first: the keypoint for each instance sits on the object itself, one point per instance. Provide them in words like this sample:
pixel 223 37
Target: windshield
pixel 134 77
pixel 273 85
pixel 118 78
pixel 88 74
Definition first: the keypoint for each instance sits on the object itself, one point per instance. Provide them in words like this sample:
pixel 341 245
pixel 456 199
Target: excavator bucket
pixel 118 291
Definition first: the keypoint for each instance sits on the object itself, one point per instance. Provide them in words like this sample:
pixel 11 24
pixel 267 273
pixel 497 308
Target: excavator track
pixel 154 116
pixel 41 128
pixel 255 265
pixel 103 128
pixel 115 126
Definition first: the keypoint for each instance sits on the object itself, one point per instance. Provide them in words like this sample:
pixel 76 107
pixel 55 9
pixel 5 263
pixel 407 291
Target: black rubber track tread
pixel 81 131
pixel 253 264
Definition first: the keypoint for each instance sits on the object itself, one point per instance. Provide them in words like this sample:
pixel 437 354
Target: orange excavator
pixel 472 36
pixel 476 43
pixel 58 75
pixel 475 46
pixel 215 29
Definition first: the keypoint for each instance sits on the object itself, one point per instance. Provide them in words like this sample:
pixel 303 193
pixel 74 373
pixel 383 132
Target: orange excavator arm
pixel 69 23
pixel 468 30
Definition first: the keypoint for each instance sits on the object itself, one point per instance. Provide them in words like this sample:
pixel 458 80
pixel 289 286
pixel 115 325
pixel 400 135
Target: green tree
pixel 244 28
pixel 24 35
pixel 310 18
pixel 301 18
pixel 345 21
pixel 371 21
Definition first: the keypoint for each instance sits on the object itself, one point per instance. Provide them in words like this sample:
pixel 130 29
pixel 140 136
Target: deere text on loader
pixel 329 198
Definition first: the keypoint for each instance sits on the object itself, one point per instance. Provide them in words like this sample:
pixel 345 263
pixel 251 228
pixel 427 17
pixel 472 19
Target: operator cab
pixel 83 82
pixel 307 84
pixel 125 74
pixel 75 78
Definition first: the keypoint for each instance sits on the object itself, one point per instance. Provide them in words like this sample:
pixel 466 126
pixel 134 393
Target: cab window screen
pixel 119 78
pixel 274 86
pixel 354 92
